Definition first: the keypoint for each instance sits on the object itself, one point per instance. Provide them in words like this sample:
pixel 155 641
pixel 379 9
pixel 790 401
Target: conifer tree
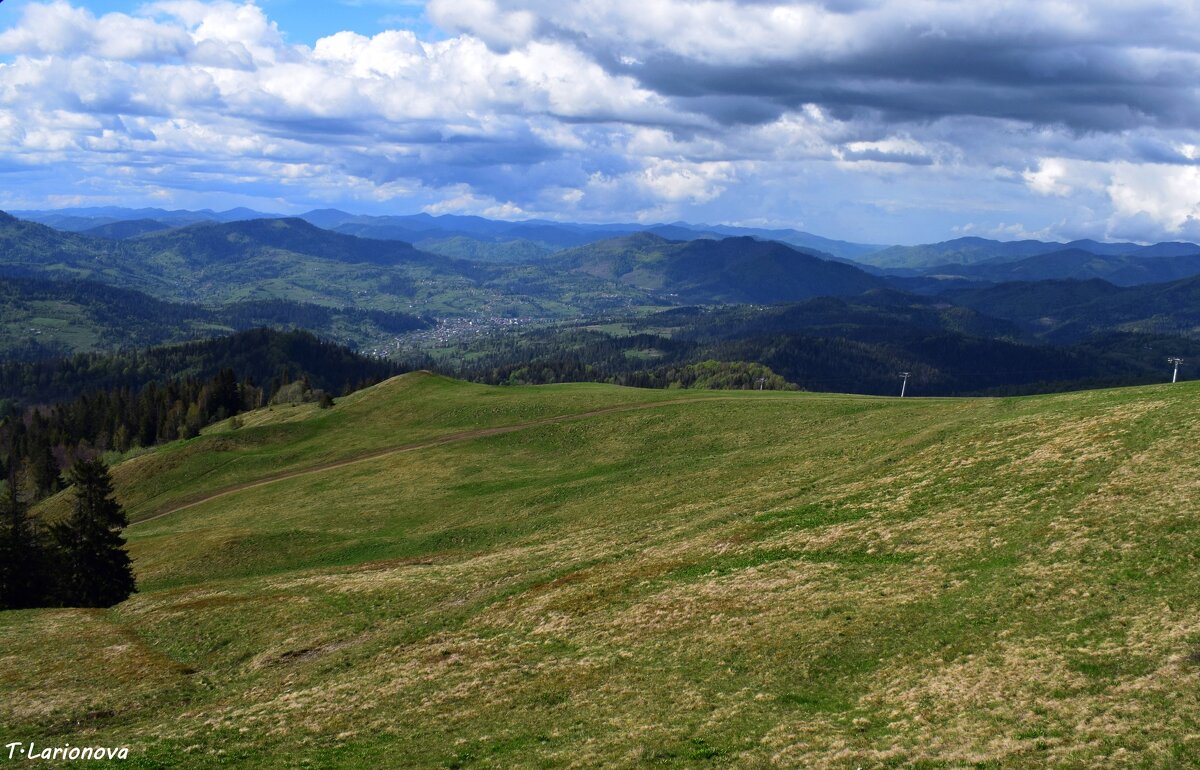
pixel 24 554
pixel 44 470
pixel 96 569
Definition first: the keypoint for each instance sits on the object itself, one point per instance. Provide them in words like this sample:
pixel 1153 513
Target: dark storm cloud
pixel 1083 88
pixel 1100 66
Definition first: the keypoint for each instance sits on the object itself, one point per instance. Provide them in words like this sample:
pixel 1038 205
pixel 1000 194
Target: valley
pixel 968 317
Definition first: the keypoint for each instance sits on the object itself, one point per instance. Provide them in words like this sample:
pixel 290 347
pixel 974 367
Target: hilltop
pixel 434 573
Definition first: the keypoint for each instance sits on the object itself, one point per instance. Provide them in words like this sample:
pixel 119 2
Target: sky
pixel 878 121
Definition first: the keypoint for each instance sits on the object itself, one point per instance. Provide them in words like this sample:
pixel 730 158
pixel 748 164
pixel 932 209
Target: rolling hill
pixel 130 228
pixel 207 244
pixel 960 251
pixel 437 574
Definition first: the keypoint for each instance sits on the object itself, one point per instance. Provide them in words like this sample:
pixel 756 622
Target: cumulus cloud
pixel 1048 178
pixel 1158 198
pixel 884 119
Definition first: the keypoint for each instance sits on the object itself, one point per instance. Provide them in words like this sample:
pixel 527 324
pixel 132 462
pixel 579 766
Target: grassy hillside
pixel 450 575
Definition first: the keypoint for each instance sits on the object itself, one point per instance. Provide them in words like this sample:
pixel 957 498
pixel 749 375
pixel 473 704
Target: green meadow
pixel 440 574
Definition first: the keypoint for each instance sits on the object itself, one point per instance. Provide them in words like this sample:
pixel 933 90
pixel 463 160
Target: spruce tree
pixel 24 553
pixel 97 571
pixel 44 470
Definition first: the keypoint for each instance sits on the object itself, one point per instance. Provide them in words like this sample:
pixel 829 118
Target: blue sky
pixel 871 120
pixel 302 21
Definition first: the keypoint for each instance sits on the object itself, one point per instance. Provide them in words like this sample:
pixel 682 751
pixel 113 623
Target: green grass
pixel 700 580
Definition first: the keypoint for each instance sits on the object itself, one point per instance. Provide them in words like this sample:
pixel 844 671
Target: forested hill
pixel 262 355
pixel 1069 311
pixel 730 270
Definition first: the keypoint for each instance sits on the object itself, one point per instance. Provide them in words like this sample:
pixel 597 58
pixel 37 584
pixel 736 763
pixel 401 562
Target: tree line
pixel 55 412
pixel 38 442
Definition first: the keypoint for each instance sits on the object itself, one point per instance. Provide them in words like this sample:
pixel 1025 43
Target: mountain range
pixel 489 239
pixel 143 281
pixel 482 239
pixel 292 259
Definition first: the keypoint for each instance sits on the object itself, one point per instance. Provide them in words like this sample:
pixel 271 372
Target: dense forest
pixel 56 412
pixel 262 355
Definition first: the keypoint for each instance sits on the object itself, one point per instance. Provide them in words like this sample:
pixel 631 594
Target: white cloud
pixel 673 181
pixel 485 20
pixel 610 109
pixel 1048 179
pixel 1167 196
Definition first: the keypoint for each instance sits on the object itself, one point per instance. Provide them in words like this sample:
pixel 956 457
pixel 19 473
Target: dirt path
pixel 450 438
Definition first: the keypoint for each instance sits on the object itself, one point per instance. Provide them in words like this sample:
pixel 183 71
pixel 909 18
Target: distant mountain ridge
pixel 1077 264
pixel 87 218
pixel 429 232
pixel 973 251
pixel 507 241
pixel 290 259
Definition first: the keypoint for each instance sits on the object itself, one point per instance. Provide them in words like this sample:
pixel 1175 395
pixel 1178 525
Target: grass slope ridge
pixel 684 580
